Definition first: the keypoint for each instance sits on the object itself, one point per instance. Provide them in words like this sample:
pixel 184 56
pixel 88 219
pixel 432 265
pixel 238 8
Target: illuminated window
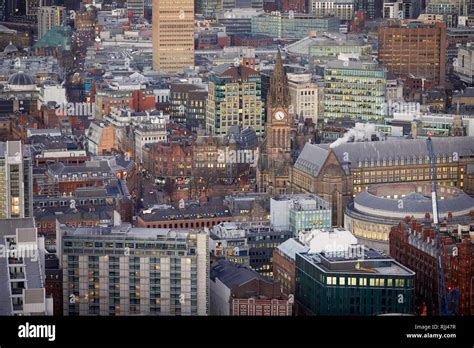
pixel 15 206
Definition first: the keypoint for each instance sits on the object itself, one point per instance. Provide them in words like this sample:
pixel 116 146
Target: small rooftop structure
pixel 327 240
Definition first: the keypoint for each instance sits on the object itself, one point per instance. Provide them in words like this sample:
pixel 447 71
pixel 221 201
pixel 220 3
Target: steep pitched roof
pixel 402 148
pixel 59 36
pixel 232 274
pixel 313 157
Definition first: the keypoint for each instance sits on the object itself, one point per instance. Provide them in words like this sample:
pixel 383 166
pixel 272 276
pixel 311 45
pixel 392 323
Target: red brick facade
pixel 172 160
pixel 284 272
pixel 408 242
pixel 258 307
pixel 252 40
pixel 268 302
pixel 189 223
pixel 298 6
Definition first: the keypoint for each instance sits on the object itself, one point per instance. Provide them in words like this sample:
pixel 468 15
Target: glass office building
pixel 306 215
pixel 355 282
pixel 302 219
pixel 292 26
pixel 327 47
pixel 235 98
pixel 354 89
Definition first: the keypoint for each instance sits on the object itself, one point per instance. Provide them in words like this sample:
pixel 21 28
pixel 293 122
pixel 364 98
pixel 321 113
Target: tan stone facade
pixel 173 35
pixel 332 184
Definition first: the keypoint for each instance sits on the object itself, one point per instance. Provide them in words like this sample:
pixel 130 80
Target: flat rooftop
pixel 126 231
pixel 359 261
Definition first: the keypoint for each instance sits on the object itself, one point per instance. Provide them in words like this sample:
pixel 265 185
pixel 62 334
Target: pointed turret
pixel 279 94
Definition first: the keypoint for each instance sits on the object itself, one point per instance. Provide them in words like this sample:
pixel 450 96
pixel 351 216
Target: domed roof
pixel 21 79
pixel 415 196
pixel 11 48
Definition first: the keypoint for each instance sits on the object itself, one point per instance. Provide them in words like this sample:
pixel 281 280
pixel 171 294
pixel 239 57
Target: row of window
pixel 372 282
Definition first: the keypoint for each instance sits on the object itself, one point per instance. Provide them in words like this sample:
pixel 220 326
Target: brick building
pixel 72 157
pixel 65 179
pixel 54 283
pixel 59 179
pixel 413 244
pixel 192 216
pixel 249 40
pixel 414 47
pixel 298 6
pixel 284 268
pixel 171 159
pixel 115 194
pixel 211 39
pixel 107 98
pixel 236 290
pixel 72 216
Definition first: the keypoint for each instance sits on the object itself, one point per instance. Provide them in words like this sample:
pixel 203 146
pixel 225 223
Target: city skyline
pixel 213 160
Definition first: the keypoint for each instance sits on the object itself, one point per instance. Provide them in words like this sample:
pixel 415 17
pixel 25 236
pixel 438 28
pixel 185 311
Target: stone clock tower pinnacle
pixel 275 160
pixel 279 93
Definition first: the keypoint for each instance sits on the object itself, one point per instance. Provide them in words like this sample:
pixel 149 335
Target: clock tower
pixel 275 152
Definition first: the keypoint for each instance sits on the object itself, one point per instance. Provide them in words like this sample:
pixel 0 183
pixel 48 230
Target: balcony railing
pixel 18 275
pixel 14 261
pixel 17 291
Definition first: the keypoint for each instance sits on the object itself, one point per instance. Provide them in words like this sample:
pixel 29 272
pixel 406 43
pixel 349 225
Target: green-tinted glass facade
pixel 335 49
pixel 320 292
pixel 354 89
pixel 235 100
pixel 296 27
pixel 305 220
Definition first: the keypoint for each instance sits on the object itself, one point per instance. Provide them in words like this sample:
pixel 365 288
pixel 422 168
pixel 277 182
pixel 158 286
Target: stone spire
pixel 279 94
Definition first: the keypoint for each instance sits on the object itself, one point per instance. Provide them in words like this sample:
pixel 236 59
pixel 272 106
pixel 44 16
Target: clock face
pixel 279 115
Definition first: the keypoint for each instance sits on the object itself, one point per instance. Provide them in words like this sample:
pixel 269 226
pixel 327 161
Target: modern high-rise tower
pixel 413 47
pixel 173 35
pixel 136 7
pixel 134 271
pixel 49 17
pixel 234 99
pixel 16 197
